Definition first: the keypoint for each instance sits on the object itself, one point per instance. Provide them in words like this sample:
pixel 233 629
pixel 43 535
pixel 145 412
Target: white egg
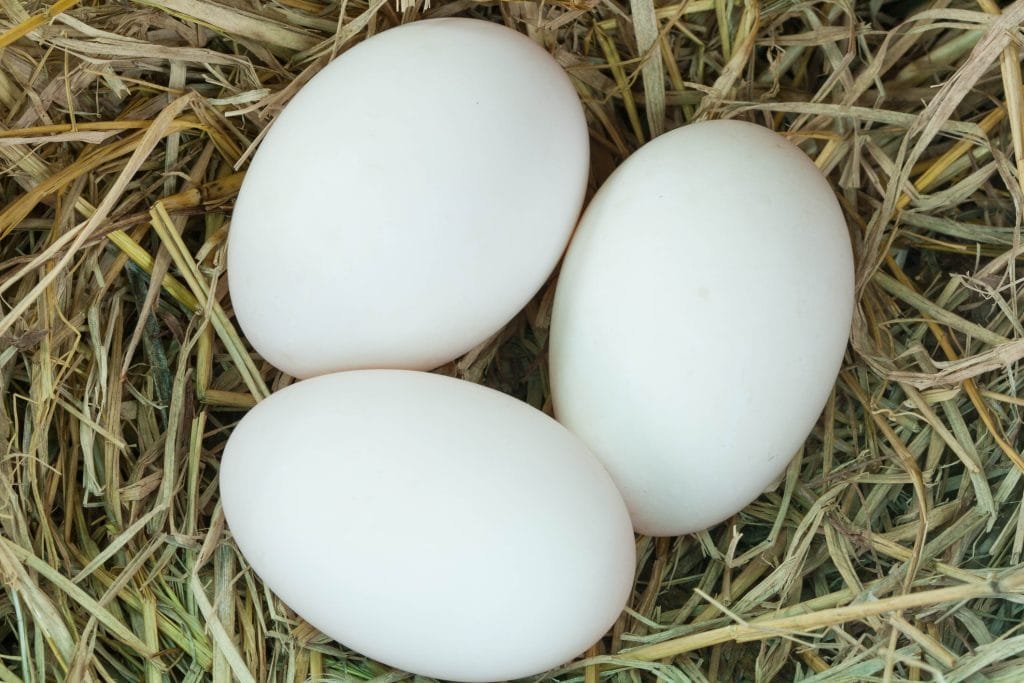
pixel 435 525
pixel 700 320
pixel 408 201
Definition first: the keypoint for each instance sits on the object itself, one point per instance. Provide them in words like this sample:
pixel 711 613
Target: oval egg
pixel 700 320
pixel 433 524
pixel 408 201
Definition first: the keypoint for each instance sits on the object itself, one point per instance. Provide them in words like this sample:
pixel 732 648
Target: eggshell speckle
pixel 701 316
pixel 408 201
pixel 436 525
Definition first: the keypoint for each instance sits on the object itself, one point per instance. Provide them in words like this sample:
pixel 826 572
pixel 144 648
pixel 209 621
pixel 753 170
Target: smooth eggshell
pixel 433 524
pixel 700 319
pixel 408 201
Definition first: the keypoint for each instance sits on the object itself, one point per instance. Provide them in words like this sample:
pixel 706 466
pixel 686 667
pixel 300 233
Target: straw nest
pixel 890 551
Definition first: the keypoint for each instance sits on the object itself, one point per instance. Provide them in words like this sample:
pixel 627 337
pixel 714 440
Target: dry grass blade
pixel 773 628
pixel 29 24
pixel 263 29
pixel 891 550
pixel 647 30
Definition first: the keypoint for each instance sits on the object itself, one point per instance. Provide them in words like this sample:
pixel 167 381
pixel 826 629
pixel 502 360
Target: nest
pixel 890 551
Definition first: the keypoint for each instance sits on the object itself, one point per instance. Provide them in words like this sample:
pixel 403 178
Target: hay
pixel 891 550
